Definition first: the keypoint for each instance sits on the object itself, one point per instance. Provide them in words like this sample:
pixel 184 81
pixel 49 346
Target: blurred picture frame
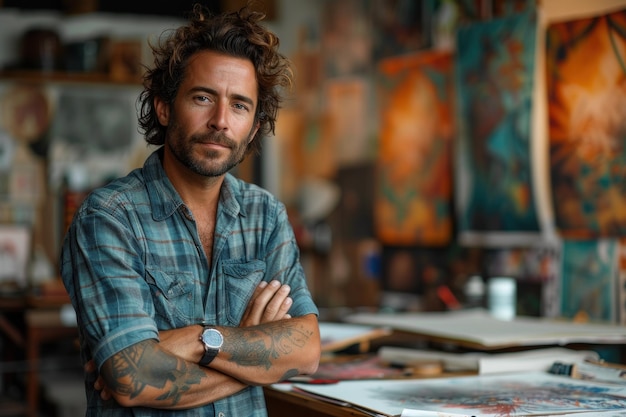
pixel 15 247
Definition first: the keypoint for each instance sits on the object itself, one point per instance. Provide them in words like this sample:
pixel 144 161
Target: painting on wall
pixel 15 247
pixel 414 166
pixel 26 112
pixel 348 119
pixel 494 182
pixel 621 282
pixel 346 38
pixel 586 64
pixel 400 27
pixel 95 129
pixel 589 279
pixel 450 15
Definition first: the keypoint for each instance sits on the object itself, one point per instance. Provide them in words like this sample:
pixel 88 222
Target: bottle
pixel 76 189
pixel 474 290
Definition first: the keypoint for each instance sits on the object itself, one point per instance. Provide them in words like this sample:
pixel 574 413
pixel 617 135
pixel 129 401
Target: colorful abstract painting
pixel 589 279
pixel 414 175
pixel 586 82
pixel 494 75
pixel 621 283
pixel 497 395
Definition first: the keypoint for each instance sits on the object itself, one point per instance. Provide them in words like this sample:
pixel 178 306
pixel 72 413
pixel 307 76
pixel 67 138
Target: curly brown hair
pixel 237 34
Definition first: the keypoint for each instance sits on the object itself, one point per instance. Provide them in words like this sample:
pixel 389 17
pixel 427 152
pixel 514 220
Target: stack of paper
pixel 488 363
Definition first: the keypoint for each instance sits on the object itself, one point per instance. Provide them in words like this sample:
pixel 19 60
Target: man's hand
pixel 269 302
pixel 105 394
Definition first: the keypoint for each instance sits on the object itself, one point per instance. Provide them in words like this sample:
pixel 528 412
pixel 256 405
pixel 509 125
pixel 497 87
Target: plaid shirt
pixel 133 264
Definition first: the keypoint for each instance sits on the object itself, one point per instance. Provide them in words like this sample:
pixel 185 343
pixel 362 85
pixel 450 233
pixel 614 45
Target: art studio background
pixel 428 148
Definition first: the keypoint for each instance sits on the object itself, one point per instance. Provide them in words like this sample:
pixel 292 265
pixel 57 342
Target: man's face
pixel 211 120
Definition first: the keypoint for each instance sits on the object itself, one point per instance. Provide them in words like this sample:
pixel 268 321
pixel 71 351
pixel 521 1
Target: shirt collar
pixel 165 200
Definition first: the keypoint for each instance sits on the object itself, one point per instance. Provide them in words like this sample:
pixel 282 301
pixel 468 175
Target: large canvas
pixel 518 394
pixel 586 68
pixel 414 172
pixel 494 74
pixel 589 279
pixel 621 283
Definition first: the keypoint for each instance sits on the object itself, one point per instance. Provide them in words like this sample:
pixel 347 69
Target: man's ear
pixel 162 111
pixel 253 134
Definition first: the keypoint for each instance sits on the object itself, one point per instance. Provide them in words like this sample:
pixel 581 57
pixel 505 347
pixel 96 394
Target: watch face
pixel 212 338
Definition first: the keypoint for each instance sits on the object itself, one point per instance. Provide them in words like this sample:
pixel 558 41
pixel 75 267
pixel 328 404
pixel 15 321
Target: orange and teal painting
pixel 414 174
pixel 586 87
pixel 589 274
pixel 494 77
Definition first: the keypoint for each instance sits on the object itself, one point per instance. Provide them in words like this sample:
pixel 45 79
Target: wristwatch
pixel 212 340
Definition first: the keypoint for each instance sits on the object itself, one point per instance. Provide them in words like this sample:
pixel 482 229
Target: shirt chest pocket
pixel 241 279
pixel 173 295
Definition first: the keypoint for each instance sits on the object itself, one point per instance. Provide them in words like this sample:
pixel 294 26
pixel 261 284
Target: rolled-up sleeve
pixel 102 268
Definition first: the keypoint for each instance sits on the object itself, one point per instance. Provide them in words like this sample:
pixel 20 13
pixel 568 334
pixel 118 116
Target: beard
pixel 208 164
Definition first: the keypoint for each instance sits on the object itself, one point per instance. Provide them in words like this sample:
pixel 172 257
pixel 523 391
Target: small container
pixel 502 297
pixel 40 49
pixel 474 290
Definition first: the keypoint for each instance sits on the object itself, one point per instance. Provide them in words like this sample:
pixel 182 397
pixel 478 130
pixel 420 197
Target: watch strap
pixel 209 355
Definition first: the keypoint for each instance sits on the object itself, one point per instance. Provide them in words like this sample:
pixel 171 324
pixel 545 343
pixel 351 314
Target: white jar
pixel 502 297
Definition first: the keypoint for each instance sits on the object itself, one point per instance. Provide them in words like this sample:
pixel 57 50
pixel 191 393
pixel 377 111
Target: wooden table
pixel 288 404
pixel 41 319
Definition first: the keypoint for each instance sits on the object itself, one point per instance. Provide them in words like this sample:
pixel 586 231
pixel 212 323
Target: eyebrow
pixel 213 92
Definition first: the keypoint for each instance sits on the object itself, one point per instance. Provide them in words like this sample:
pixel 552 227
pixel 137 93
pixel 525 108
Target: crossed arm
pixel 268 346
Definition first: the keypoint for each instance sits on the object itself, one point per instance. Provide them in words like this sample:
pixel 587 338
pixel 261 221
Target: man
pixel 186 281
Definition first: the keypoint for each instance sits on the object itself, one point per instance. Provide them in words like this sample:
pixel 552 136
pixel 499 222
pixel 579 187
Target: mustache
pixel 214 137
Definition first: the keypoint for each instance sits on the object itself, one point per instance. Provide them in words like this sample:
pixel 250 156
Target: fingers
pixel 105 394
pixel 269 302
pixel 90 366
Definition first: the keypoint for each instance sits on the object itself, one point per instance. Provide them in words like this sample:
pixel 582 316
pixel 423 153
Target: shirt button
pixel 221 414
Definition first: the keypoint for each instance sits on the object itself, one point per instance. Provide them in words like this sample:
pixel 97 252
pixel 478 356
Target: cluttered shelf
pixel 37 76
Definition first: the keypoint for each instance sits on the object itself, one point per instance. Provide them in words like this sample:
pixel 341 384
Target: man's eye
pixel 240 106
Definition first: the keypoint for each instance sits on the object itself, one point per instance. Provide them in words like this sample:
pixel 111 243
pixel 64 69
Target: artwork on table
pixel 413 197
pixel 519 394
pixel 586 87
pixel 495 190
pixel 15 246
pixel 589 279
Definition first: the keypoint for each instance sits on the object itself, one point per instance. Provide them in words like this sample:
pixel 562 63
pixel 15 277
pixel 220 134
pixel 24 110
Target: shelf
pixel 32 76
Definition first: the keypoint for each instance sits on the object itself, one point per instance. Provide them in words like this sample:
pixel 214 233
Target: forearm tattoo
pixel 251 348
pixel 142 365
